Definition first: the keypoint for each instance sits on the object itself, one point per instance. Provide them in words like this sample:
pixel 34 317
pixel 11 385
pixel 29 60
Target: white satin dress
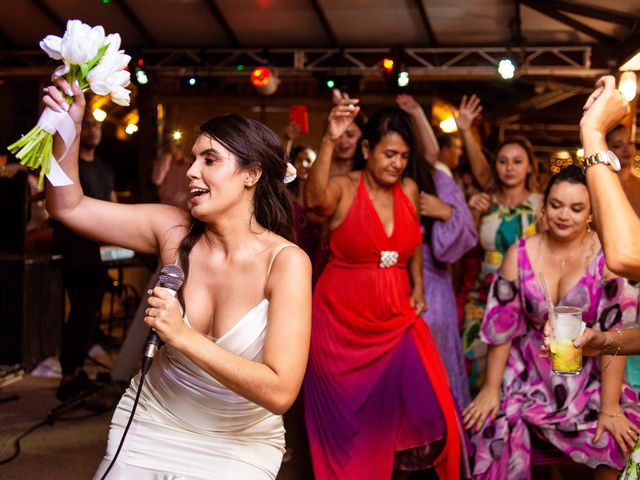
pixel 190 426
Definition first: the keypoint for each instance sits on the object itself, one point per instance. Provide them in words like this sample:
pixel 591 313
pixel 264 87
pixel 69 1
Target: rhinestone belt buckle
pixel 388 258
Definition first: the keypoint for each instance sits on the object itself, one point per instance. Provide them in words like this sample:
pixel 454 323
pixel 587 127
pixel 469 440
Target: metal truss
pixel 436 63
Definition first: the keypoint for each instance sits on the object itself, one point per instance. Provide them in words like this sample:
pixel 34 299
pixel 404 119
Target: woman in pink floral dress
pixel 593 417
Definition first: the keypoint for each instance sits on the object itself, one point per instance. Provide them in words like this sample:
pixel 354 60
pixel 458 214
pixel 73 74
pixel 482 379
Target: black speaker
pixel 31 309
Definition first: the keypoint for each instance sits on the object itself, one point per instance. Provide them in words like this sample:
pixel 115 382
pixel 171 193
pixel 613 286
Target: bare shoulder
pixel 347 181
pixel 409 186
pixel 290 267
pixel 347 184
pixel 173 226
pixel 288 255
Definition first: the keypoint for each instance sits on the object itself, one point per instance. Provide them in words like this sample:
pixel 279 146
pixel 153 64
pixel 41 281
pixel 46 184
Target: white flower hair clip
pixel 291 173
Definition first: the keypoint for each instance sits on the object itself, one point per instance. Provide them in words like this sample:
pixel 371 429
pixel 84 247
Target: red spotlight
pixel 260 76
pixel 387 65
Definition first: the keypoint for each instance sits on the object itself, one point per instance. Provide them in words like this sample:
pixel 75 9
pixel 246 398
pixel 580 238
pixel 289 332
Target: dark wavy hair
pixel 255 146
pixel 571 174
pixel 394 119
pixel 531 181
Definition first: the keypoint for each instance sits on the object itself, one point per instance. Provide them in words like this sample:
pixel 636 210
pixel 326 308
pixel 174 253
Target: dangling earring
pixel 589 222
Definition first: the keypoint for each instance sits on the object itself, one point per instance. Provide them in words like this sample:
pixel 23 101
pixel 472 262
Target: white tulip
pixel 63 69
pixel 52 46
pixel 113 39
pixel 120 96
pixel 103 80
pixel 114 61
pixel 121 78
pixel 81 43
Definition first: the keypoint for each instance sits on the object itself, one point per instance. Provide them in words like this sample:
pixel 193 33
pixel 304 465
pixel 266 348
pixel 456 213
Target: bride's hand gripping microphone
pixel 171 279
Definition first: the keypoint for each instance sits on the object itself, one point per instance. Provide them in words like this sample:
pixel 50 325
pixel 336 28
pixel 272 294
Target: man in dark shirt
pixel 84 276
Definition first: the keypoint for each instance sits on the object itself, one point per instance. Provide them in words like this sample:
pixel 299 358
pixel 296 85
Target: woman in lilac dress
pixel 448 232
pixel 592 417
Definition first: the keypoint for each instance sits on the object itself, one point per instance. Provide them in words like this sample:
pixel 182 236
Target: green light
pixel 331 83
pixel 106 2
pixel 239 68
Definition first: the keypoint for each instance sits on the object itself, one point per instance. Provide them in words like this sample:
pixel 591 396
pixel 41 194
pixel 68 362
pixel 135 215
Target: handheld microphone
pixel 171 279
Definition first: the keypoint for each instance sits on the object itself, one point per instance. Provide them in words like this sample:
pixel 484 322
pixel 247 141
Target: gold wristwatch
pixel 607 158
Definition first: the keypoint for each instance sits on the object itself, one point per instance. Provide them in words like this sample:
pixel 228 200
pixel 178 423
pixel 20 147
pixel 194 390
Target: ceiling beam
pixel 597 13
pixel 628 49
pixel 433 41
pixel 133 18
pixel 222 21
pixel 325 23
pixel 571 22
pixel 50 14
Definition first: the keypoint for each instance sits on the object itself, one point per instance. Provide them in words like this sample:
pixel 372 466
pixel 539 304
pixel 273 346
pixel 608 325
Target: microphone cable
pixel 171 279
pixel 126 429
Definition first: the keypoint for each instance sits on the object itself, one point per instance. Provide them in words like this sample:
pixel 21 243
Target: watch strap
pixel 594 159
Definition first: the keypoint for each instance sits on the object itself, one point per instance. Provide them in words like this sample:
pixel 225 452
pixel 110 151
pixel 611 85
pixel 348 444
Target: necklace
pixel 562 259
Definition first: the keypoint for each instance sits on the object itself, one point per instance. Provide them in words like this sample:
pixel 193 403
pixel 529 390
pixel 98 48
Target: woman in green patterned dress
pixel 503 215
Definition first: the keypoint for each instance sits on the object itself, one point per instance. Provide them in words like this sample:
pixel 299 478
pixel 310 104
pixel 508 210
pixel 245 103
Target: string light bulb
pixel 99 114
pixel 628 85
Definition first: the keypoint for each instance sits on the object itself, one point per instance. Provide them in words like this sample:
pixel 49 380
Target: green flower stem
pixel 34 150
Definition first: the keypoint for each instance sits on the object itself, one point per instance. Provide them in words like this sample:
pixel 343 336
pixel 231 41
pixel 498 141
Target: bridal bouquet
pixel 95 61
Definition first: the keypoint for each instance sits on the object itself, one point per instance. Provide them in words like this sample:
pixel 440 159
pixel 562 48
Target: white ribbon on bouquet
pixel 51 122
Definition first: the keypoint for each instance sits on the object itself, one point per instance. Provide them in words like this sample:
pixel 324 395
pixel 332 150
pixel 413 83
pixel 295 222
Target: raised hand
pixel 337 96
pixel 408 103
pixel 468 111
pixel 341 116
pixel 54 99
pixel 604 108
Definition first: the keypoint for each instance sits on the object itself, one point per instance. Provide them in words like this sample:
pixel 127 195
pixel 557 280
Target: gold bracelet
pixel 617 351
pixel 619 414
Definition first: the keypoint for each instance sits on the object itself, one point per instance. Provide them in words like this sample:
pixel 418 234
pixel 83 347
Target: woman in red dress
pixel 377 398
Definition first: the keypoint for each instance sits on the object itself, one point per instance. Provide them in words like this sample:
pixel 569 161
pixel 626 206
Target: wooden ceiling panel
pixel 375 23
pixel 23 24
pixel 273 23
pixel 93 13
pixel 179 23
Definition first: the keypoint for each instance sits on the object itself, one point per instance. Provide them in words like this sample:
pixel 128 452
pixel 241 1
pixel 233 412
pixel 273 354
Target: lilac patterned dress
pixel 450 240
pixel 560 410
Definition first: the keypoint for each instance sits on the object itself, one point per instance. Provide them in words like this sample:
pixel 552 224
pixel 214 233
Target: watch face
pixel 614 161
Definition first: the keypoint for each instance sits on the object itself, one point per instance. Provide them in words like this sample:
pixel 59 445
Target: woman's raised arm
pixel 320 194
pixel 139 227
